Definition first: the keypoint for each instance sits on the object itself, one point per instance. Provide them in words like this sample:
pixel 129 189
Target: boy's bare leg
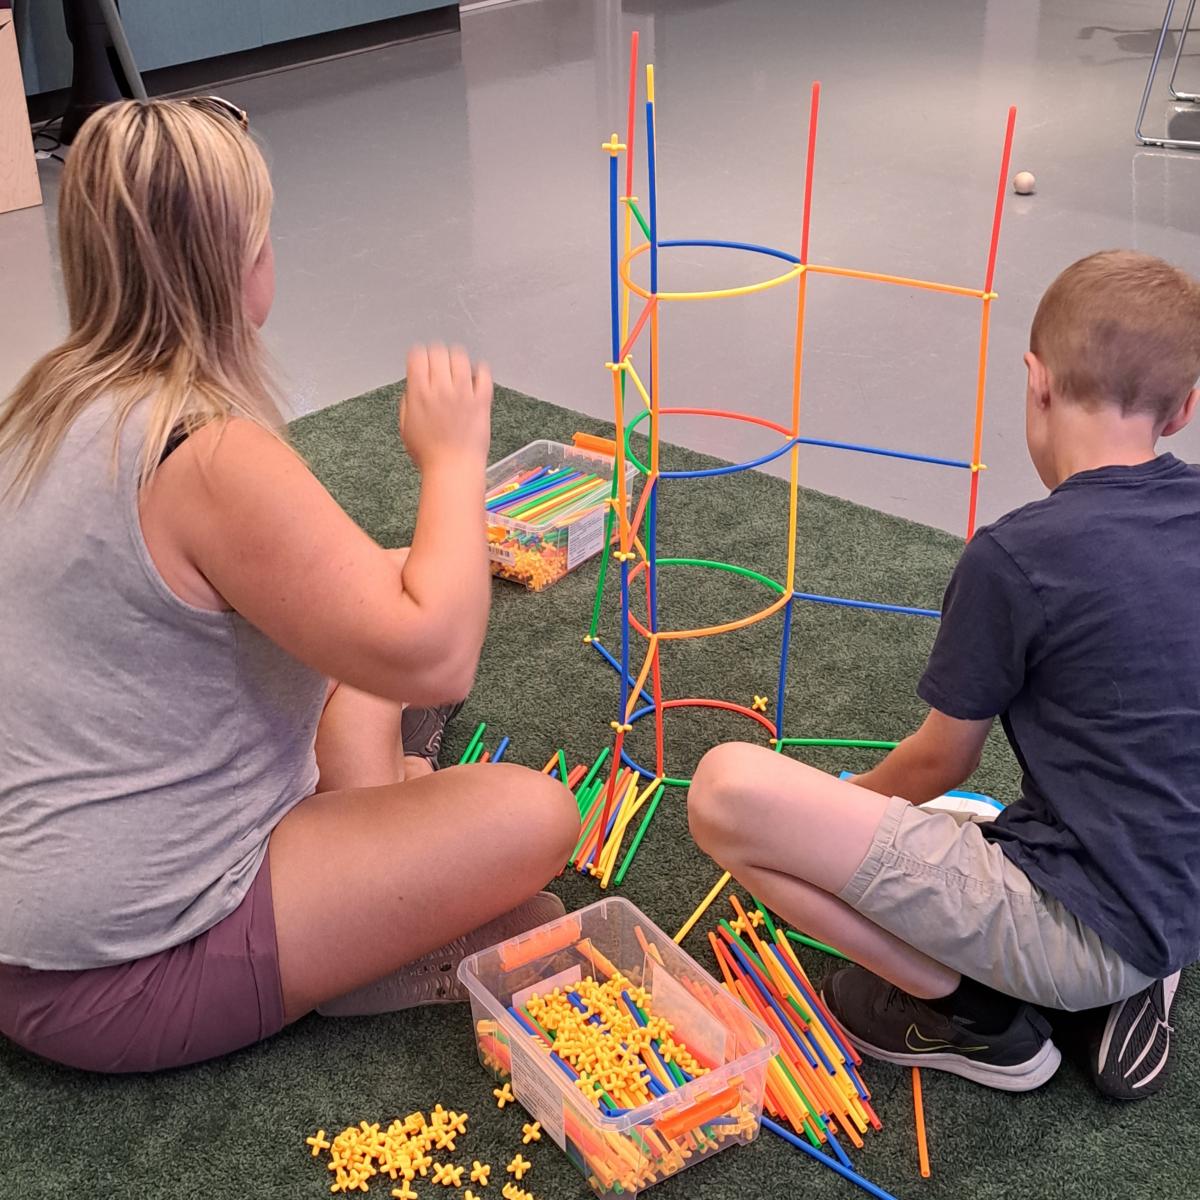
pixel 368 879
pixel 795 836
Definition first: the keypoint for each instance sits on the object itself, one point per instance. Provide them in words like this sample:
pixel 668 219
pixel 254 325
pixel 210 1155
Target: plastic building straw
pixel 845 1172
pixel 702 908
pixel 473 743
pixel 635 358
pixel 919 1121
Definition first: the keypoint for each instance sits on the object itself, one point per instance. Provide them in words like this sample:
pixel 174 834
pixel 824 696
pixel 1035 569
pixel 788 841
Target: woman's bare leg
pixel 366 880
pixel 795 836
pixel 359 744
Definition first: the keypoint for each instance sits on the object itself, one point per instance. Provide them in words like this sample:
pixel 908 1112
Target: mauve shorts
pixel 214 994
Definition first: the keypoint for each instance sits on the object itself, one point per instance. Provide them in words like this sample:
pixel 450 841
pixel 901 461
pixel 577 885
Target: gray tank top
pixel 147 748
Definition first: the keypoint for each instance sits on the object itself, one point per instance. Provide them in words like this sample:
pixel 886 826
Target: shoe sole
pixel 1024 1077
pixel 1149 1084
pixel 433 978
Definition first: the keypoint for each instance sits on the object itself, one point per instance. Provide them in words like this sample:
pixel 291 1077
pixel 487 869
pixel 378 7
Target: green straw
pixel 587 829
pixel 475 737
pixel 637 837
pixel 812 1112
pixel 562 768
pixel 801 1011
pixel 805 940
pixel 477 753
pixel 535 501
pixel 586 798
pixel 640 219
pixel 852 743
pixel 585 782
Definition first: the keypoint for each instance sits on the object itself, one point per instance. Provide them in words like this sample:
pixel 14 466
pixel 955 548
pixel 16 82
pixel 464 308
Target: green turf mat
pixel 235 1128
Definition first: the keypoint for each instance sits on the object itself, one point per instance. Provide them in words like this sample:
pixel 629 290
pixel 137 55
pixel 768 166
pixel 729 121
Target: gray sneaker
pixel 422 730
pixel 432 979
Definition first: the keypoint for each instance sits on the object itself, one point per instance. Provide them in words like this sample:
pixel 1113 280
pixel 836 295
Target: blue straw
pixel 833 1033
pixel 614 286
pixel 842 1156
pixel 845 1172
pixel 885 453
pixel 616 666
pixel 842 602
pixel 751 246
pixel 525 491
pixel 783 664
pixel 500 749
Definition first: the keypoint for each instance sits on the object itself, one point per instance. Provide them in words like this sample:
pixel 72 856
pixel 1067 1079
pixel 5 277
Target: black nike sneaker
pixel 887 1023
pixel 1128 1059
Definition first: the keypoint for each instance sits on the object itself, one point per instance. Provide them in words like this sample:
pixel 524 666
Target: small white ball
pixel 1024 183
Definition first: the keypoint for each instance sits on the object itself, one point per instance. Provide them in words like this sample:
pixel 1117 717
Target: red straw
pixel 813 108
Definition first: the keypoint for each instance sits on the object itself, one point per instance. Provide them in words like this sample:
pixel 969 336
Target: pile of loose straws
pixel 475 751
pixel 813 1084
pixel 598 847
pixel 548 495
pixel 594 854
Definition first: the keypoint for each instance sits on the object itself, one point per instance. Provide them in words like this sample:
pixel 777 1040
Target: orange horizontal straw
pixel 598 445
pixel 901 280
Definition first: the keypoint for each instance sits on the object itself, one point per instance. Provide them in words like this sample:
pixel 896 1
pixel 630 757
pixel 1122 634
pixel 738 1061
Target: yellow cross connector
pixel 614 146
pixel 760 704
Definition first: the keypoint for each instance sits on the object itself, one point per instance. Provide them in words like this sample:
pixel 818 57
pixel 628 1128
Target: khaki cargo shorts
pixel 933 880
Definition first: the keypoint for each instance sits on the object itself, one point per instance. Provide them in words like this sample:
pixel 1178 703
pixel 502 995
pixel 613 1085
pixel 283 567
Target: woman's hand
pixel 447 407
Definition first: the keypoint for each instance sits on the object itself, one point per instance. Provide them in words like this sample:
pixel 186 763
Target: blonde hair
pixel 164 207
pixel 1121 328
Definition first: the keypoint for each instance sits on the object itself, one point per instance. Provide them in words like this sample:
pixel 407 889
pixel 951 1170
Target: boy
pixel 1073 620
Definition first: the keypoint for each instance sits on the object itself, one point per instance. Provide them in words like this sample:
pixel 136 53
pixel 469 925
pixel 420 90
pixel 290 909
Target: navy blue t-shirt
pixel 1076 620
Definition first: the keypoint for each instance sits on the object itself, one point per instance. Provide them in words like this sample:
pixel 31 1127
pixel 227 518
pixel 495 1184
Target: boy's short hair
pixel 1121 328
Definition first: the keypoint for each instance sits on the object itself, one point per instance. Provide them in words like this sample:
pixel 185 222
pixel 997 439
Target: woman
pixel 201 837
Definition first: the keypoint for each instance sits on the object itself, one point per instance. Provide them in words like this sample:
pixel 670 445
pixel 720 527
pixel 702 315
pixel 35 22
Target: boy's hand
pixel 940 756
pixel 447 406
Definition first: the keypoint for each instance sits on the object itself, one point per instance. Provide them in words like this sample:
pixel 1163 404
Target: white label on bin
pixel 536 1092
pixel 694 1025
pixel 564 979
pixel 501 554
pixel 585 538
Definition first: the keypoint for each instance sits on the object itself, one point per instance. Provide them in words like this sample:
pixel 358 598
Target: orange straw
pixel 919 1118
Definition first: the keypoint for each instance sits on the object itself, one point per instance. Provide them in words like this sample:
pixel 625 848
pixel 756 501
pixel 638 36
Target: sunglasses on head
pixel 220 107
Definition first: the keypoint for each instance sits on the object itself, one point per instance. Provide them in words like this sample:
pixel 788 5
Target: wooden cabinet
pixel 19 184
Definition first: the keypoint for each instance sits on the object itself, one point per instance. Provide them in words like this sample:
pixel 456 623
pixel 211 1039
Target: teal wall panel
pixel 283 19
pixel 163 33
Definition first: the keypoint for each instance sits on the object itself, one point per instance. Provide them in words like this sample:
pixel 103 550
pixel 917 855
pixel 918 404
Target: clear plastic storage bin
pixel 622 1154
pixel 537 549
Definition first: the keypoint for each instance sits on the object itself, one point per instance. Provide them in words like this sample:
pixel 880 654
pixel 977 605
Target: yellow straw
pixel 705 905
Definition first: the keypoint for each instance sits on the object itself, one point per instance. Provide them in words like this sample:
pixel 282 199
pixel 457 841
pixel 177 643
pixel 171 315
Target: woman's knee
pixel 547 812
pixel 717 798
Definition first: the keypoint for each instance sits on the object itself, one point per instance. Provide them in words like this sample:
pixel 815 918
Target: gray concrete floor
pixel 455 188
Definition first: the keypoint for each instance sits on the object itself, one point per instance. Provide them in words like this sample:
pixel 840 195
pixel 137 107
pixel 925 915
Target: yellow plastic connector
pixel 518 1167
